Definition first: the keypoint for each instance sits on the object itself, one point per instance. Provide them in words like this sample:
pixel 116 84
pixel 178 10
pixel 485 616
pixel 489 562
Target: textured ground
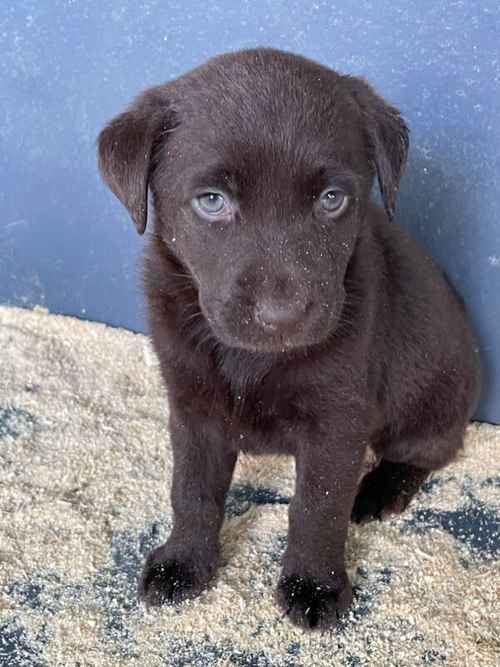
pixel 84 476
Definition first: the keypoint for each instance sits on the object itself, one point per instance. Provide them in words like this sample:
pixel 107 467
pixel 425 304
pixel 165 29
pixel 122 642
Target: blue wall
pixel 66 67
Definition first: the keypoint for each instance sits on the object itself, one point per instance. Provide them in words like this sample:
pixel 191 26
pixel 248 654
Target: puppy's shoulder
pixel 405 260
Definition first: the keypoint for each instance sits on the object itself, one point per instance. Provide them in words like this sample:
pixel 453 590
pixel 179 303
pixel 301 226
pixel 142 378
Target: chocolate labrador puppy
pixel 289 314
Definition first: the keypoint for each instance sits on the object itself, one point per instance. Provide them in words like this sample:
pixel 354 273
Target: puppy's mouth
pixel 279 334
pixel 271 344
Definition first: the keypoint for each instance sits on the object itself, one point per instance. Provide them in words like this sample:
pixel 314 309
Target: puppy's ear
pixel 387 139
pixel 125 152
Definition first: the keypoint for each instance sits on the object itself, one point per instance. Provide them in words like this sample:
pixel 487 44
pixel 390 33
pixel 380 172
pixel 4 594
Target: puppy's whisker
pixel 180 275
pixel 203 340
pixel 193 317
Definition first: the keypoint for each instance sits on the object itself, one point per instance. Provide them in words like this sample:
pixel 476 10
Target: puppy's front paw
pixel 314 604
pixel 167 580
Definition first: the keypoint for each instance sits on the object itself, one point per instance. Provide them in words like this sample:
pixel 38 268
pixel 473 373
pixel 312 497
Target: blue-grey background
pixel 66 67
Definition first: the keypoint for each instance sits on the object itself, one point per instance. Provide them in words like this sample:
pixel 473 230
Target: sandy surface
pixel 85 469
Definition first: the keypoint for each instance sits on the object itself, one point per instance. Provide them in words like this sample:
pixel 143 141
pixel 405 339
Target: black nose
pixel 275 315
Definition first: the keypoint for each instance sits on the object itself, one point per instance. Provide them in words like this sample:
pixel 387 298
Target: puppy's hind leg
pixel 405 464
pixel 387 490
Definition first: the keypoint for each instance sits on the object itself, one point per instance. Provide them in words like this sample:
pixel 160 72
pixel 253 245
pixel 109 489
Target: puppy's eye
pixel 333 202
pixel 210 205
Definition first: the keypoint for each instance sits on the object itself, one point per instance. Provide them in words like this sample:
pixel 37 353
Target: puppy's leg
pixel 314 588
pixel 203 466
pixel 386 490
pixel 405 464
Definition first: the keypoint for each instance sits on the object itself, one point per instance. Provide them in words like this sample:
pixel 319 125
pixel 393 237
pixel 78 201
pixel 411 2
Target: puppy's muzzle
pixel 282 317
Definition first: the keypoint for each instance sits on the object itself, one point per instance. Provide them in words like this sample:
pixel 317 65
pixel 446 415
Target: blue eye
pixel 210 204
pixel 333 201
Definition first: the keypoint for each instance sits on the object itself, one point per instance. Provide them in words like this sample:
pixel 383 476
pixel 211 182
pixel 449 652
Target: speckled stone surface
pixel 85 468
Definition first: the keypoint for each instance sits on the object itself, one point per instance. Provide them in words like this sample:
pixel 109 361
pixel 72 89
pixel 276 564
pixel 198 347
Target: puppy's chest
pixel 257 405
pixel 270 416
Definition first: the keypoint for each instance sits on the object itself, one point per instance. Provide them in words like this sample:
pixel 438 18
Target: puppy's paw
pixel 167 580
pixel 386 490
pixel 312 604
pixel 370 506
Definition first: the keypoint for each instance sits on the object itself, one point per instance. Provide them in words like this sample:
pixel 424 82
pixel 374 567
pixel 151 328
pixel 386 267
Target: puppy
pixel 289 314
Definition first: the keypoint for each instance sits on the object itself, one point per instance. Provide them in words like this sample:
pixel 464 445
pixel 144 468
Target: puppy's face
pixel 260 165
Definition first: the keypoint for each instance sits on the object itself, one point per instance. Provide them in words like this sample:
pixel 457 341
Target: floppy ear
pixel 387 139
pixel 125 150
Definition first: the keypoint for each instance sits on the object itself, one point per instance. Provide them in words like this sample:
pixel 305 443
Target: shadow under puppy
pixel 288 313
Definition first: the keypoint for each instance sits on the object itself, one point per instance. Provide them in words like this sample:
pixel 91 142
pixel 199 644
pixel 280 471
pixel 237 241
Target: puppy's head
pixel 260 165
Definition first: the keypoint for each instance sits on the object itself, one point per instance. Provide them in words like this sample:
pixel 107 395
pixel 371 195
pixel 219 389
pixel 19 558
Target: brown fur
pixel 278 328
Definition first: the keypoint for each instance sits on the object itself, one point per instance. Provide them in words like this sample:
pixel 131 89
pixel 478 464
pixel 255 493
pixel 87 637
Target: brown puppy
pixel 290 315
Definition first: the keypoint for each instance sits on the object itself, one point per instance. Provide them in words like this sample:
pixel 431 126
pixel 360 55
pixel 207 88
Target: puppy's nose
pixel 275 315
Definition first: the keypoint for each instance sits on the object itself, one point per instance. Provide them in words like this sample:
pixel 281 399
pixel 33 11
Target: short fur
pixel 368 344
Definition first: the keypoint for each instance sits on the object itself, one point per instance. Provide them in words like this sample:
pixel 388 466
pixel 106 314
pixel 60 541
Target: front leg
pixel 314 589
pixel 203 466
